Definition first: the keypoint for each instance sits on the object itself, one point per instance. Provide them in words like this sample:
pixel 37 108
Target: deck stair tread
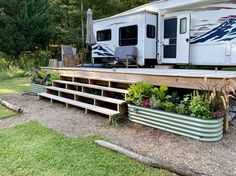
pixel 102 79
pixel 88 95
pixel 93 86
pixel 80 104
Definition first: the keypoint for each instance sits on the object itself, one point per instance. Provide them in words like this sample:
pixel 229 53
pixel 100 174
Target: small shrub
pixel 115 120
pixel 183 106
pixel 43 77
pixel 169 106
pixel 199 107
pixel 138 92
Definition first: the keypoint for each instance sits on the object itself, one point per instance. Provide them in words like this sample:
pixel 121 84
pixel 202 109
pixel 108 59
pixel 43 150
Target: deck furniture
pixel 126 55
pixel 69 56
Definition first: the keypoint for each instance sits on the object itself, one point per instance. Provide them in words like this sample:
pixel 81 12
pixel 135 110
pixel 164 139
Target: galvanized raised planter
pixel 200 129
pixel 37 88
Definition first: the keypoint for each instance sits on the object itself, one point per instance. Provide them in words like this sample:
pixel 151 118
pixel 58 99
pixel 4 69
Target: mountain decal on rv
pixel 101 50
pixel 226 31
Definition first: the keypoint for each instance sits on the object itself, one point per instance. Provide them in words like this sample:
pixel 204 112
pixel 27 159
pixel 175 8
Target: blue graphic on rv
pixel 224 32
pixel 102 50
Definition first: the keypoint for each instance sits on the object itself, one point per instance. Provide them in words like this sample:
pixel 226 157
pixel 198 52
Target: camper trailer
pixel 181 32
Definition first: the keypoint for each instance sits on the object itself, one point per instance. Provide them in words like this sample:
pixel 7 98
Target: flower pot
pixel 196 128
pixel 37 88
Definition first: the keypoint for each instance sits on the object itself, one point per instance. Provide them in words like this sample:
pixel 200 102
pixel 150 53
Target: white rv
pixel 197 32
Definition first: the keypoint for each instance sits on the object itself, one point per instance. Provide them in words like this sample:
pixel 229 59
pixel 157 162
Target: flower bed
pixel 199 114
pixel 40 79
pixel 196 128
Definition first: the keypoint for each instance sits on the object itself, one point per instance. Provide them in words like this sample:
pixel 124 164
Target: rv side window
pixel 183 25
pixel 151 31
pixel 128 35
pixel 104 35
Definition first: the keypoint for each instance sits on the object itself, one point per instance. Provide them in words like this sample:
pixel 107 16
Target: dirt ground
pixel 215 159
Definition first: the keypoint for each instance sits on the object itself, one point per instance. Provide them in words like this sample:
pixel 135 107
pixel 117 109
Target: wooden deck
pixel 178 78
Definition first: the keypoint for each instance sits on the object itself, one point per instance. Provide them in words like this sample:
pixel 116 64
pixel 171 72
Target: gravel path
pixel 215 159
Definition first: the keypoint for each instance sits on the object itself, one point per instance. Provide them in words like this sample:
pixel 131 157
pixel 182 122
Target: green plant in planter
pixel 169 106
pixel 43 77
pixel 161 93
pixel 159 96
pixel 199 107
pixel 183 106
pixel 138 93
pixel 50 77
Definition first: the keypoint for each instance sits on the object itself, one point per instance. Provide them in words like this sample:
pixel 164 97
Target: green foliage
pixel 43 77
pixel 115 120
pixel 31 149
pixel 168 106
pixel 14 85
pixel 24 26
pixel 161 93
pixel 183 106
pixel 139 92
pixel 35 60
pixel 197 104
pixel 199 107
pixel 12 72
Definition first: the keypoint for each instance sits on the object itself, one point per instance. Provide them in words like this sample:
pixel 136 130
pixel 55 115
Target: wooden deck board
pixel 80 104
pixel 178 78
pixel 87 95
pixel 111 89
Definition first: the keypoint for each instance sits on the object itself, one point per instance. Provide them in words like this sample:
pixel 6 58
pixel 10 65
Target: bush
pixel 200 107
pixel 139 92
pixel 35 60
pixel 43 77
pixel 210 103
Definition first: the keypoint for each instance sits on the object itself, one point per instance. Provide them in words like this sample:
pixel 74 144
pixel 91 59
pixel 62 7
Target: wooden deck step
pixel 101 79
pixel 88 95
pixel 111 89
pixel 86 106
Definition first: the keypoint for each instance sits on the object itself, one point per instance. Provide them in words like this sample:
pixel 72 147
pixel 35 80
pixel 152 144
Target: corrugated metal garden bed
pixel 196 128
pixel 37 88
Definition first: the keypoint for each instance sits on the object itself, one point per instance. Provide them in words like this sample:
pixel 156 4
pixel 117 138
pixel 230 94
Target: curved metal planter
pixel 37 88
pixel 200 129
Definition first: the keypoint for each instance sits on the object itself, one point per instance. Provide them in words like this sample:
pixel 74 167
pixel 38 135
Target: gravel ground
pixel 216 159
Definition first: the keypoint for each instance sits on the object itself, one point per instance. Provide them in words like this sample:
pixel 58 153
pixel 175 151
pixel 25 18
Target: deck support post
pixel 226 123
pixel 86 111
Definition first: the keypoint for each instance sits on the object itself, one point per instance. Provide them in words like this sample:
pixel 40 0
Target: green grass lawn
pixel 31 149
pixel 13 81
pixel 14 85
pixel 5 113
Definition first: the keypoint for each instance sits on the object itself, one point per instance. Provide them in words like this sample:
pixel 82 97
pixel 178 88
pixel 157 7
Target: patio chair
pixel 126 55
pixel 68 55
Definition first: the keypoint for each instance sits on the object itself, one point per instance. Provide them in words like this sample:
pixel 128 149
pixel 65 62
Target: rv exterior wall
pixel 106 48
pixel 212 32
pixel 213 35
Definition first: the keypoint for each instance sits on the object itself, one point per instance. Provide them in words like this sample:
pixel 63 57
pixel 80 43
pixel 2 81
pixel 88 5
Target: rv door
pixel 183 39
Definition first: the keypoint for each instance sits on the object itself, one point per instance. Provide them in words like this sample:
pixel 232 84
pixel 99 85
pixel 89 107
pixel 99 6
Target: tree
pixel 25 26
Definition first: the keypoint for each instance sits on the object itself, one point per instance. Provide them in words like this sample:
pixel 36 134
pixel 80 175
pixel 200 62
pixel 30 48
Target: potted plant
pixel 40 79
pixel 198 115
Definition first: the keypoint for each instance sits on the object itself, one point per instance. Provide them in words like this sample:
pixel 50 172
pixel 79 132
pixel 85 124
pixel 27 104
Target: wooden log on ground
pixel 160 163
pixel 11 106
